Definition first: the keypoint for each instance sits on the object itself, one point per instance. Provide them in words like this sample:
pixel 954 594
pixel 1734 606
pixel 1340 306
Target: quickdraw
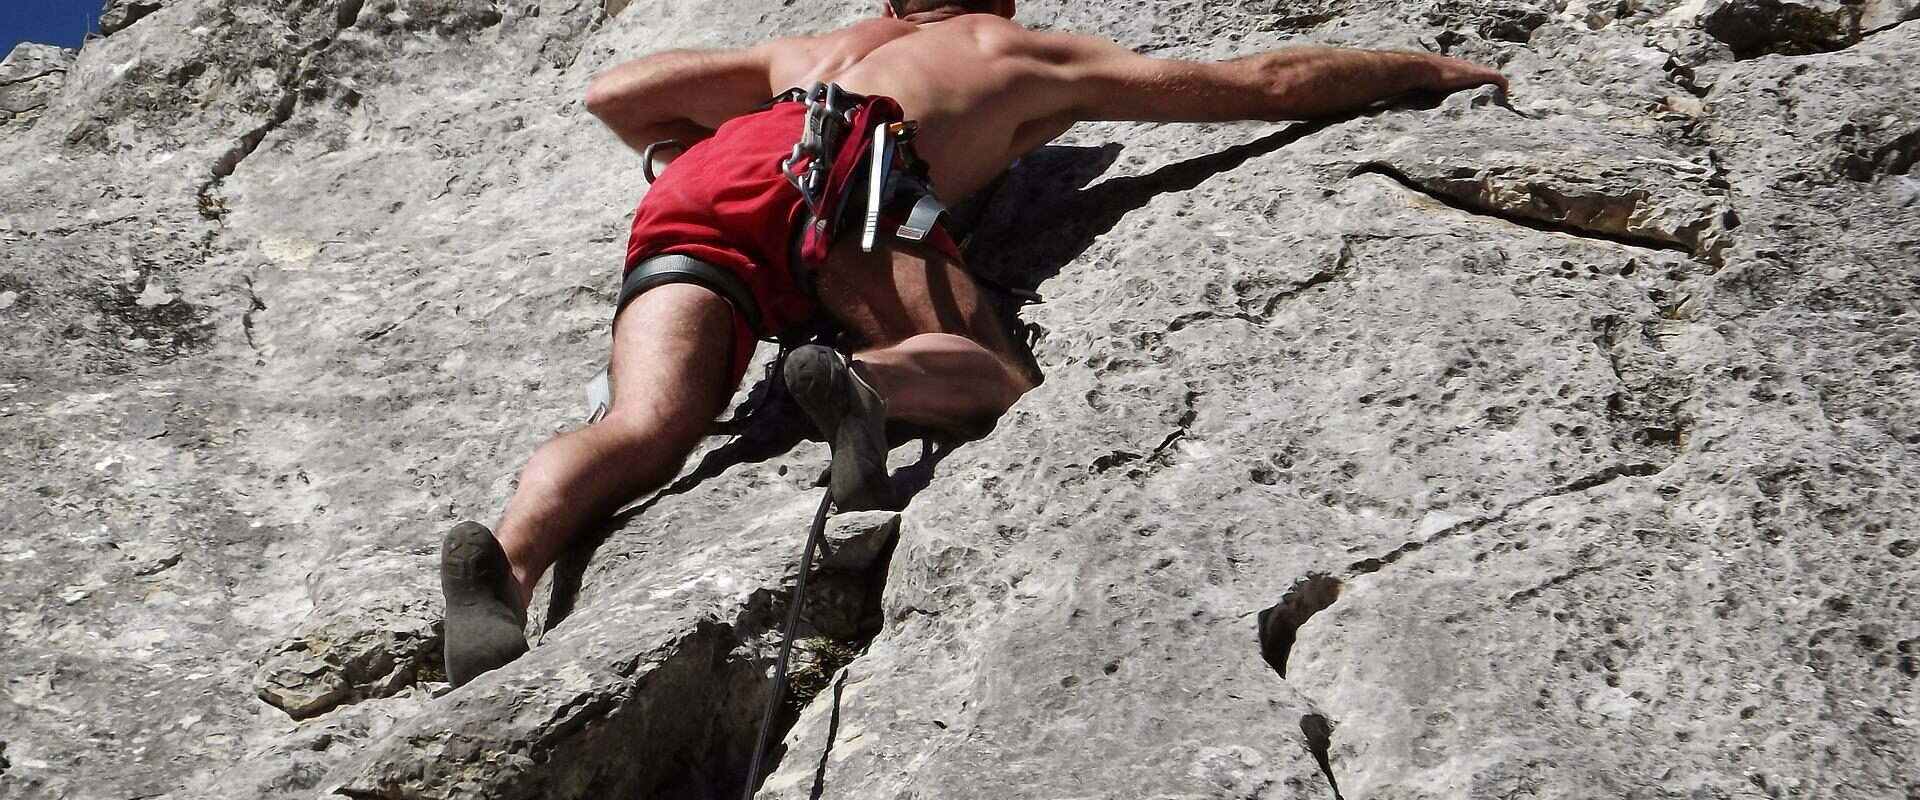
pixel 829 114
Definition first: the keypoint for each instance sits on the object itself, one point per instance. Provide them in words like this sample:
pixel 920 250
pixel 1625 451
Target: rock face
pixel 1560 444
pixel 29 77
pixel 119 14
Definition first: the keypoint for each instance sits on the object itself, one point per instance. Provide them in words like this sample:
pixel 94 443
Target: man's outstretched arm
pixel 1113 83
pixel 679 94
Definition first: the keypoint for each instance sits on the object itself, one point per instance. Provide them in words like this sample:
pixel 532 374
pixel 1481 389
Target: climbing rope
pixel 786 642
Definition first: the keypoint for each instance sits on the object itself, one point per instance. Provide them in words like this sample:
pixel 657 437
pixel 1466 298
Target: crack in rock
pixel 1181 322
pixel 1318 731
pixel 1633 218
pixel 1280 625
pixel 1158 458
pixel 31 61
pixel 31 77
pixel 833 734
pixel 1342 264
pixel 1610 474
pixel 1514 600
pixel 294 82
pixel 632 702
pixel 255 305
pixel 1279 628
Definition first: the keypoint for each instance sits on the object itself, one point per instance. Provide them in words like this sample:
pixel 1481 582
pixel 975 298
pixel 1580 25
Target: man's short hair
pixel 905 7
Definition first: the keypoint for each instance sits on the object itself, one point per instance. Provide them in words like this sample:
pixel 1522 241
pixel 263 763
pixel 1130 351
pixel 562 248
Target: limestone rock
pixel 1570 176
pixel 30 76
pixel 121 13
pixel 1794 27
pixel 1878 15
pixel 350 652
pixel 1558 443
pixel 661 694
pixel 29 61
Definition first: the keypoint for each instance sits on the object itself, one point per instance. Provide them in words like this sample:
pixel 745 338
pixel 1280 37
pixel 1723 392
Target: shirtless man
pixel 984 91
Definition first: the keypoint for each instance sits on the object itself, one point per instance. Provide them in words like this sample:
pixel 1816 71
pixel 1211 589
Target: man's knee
pixel 644 434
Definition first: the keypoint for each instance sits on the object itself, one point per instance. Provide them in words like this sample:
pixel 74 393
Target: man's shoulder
pixel 995 26
pixel 999 36
pixel 863 35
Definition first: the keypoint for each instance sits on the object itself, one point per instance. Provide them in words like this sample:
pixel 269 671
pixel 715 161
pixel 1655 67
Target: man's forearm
pixel 1111 82
pixel 1306 82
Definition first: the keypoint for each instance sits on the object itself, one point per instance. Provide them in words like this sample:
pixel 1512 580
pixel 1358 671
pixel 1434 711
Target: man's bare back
pixel 973 121
pixel 986 90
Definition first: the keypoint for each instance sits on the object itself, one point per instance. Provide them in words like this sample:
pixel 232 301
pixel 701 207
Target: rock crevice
pixel 1542 208
pixel 293 82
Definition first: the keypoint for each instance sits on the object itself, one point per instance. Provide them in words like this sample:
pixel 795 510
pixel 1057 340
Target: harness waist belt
pixel 673 268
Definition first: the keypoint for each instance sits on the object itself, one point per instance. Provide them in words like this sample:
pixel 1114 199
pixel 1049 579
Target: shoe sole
pixel 823 385
pixel 483 628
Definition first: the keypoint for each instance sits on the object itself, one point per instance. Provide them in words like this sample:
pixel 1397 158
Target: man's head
pixel 902 8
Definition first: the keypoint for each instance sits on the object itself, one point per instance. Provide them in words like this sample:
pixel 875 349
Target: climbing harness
pixel 799 601
pixel 847 136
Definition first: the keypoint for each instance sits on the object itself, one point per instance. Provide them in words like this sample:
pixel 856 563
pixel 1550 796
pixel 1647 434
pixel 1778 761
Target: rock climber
pixel 765 216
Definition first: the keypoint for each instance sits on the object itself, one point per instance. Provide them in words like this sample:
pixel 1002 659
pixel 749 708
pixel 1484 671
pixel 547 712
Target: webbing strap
pixel 676 268
pixel 926 214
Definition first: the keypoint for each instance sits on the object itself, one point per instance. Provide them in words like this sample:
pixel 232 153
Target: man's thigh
pixel 904 289
pixel 672 370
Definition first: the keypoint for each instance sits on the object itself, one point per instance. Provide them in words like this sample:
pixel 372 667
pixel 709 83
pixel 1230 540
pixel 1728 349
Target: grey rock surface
pixel 1559 444
pixel 30 76
pixel 118 14
pixel 1879 15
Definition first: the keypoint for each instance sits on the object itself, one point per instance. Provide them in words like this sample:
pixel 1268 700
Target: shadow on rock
pixel 1042 218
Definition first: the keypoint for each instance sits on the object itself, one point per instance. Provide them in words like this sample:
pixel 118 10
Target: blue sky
pixel 61 22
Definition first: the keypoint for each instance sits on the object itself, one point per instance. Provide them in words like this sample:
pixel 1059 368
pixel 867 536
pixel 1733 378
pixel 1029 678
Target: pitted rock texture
pixel 1555 444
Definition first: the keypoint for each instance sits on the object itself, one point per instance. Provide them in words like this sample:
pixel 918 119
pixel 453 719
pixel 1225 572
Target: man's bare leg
pixel 936 351
pixel 672 347
pixel 672 350
pixel 944 381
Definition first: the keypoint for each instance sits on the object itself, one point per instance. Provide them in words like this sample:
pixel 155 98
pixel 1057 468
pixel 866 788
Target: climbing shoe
pixel 852 417
pixel 485 626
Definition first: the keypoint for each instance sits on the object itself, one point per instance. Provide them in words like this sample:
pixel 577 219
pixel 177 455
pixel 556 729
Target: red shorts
pixel 724 201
